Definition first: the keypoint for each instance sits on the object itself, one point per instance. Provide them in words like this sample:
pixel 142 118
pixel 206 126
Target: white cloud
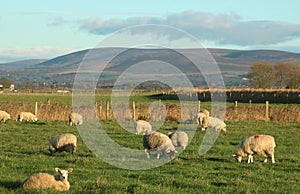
pixel 224 29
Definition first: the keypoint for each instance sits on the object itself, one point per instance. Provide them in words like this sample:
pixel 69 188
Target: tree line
pixel 280 75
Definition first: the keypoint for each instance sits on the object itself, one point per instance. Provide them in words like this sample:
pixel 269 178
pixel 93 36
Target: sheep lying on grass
pixel 27 116
pixel 200 115
pixel 213 122
pixel 179 138
pixel 75 119
pixel 4 116
pixel 262 145
pixel 161 143
pixel 64 142
pixel 43 180
pixel 142 127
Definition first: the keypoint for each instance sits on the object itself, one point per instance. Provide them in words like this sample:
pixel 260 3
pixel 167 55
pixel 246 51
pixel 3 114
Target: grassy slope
pixel 23 151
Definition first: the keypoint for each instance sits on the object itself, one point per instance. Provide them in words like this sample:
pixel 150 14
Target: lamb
pixel 64 142
pixel 4 116
pixel 142 127
pixel 213 122
pixel 200 115
pixel 75 118
pixel 44 181
pixel 262 145
pixel 161 143
pixel 27 116
pixel 179 138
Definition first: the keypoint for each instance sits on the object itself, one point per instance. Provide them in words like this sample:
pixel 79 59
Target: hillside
pixel 234 64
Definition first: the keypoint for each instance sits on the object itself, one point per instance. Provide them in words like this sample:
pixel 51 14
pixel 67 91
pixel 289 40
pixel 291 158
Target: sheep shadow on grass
pixel 11 185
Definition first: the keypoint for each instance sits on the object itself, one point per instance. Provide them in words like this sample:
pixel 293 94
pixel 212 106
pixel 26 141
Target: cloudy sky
pixel 48 28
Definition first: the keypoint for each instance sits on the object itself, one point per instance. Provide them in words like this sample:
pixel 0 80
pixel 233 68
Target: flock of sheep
pixel 262 145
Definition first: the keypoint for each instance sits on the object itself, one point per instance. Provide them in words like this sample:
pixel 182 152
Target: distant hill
pixel 234 64
pixel 22 64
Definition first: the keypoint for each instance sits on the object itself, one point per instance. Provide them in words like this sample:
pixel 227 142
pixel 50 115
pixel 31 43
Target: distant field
pixel 24 151
pixel 55 107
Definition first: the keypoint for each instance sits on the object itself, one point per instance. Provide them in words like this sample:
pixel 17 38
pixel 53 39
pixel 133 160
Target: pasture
pixel 24 151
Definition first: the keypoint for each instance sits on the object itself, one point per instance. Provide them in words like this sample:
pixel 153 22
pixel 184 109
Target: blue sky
pixel 45 29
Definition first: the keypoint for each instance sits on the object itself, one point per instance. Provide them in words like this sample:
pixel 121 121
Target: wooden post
pixel 36 109
pixel 250 103
pixel 199 105
pixel 133 109
pixel 235 104
pixel 267 111
pixel 100 111
pixel 107 110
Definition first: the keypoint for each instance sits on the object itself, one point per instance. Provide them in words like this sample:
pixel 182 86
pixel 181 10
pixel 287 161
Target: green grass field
pixel 24 151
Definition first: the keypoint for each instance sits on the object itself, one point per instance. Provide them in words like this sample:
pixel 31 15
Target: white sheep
pixel 75 119
pixel 159 142
pixel 214 123
pixel 200 115
pixel 64 142
pixel 179 138
pixel 262 145
pixel 27 116
pixel 44 181
pixel 4 116
pixel 142 127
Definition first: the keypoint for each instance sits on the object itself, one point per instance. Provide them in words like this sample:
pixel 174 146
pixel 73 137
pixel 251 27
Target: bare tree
pixel 262 75
pixel 288 74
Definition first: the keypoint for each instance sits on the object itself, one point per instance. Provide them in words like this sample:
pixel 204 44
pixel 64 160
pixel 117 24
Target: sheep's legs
pixel 147 153
pixel 250 159
pixel 273 158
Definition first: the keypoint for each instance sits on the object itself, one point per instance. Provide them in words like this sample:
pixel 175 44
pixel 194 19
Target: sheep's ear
pixel 57 170
pixel 70 170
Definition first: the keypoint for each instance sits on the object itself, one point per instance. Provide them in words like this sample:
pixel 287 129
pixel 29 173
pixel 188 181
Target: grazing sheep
pixel 179 138
pixel 27 116
pixel 64 142
pixel 4 116
pixel 142 127
pixel 262 145
pixel 75 118
pixel 200 115
pixel 161 143
pixel 213 122
pixel 44 181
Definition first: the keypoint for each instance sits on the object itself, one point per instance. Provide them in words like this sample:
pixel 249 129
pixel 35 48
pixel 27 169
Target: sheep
pixel 200 115
pixel 27 116
pixel 4 116
pixel 213 122
pixel 179 138
pixel 64 142
pixel 75 118
pixel 262 145
pixel 142 127
pixel 161 143
pixel 46 181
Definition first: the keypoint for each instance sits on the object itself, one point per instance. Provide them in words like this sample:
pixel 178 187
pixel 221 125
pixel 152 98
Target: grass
pixel 24 151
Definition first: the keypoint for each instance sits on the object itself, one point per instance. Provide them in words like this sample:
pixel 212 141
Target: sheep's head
pixel 238 158
pixel 205 123
pixel 63 174
pixel 171 153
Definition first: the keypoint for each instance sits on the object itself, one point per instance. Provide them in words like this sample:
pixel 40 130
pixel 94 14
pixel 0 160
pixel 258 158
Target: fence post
pixel 133 109
pixel 100 110
pixel 250 103
pixel 267 111
pixel 235 104
pixel 107 110
pixel 199 105
pixel 36 109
